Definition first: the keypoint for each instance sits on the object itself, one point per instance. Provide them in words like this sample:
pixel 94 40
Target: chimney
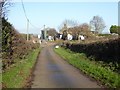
pixel 65 25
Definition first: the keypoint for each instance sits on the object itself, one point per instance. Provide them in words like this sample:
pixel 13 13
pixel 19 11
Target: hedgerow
pixel 91 68
pixel 106 51
pixel 14 46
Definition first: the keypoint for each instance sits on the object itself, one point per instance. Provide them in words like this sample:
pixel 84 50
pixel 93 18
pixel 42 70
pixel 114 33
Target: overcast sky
pixel 52 14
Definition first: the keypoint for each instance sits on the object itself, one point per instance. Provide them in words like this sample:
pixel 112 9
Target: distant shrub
pixel 115 29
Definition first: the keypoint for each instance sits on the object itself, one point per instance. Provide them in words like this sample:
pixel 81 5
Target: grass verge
pixel 80 60
pixel 17 75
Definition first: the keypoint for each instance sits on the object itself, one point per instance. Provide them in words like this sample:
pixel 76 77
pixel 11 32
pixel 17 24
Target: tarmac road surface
pixel 51 71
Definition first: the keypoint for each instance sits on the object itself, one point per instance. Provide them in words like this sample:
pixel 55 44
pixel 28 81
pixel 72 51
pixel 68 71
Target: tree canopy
pixel 115 29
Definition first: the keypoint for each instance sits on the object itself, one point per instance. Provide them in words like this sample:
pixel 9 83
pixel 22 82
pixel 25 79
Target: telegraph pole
pixel 27 29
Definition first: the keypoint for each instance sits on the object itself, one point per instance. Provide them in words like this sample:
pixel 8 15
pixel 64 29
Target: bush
pixel 115 29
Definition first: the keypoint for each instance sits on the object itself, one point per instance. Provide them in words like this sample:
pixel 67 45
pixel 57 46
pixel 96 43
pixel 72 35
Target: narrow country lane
pixel 53 72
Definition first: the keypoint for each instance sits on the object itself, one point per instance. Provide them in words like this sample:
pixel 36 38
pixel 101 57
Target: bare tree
pixel 98 24
pixel 71 23
pixel 68 23
pixel 52 32
pixel 4 5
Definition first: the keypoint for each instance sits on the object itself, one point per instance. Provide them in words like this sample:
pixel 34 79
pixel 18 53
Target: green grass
pixel 17 75
pixel 104 34
pixel 0 80
pixel 80 60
